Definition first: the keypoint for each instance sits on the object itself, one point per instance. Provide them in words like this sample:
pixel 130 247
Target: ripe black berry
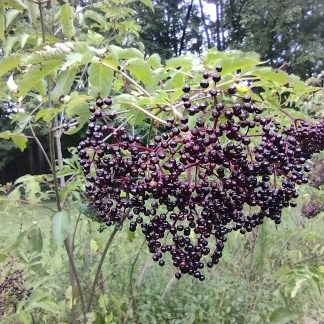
pixel 216 77
pixel 232 89
pixel 186 88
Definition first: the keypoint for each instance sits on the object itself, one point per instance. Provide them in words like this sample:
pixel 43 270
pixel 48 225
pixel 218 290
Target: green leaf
pixel 138 118
pixel 36 239
pixel 61 226
pixel 66 19
pixel 64 83
pixel 72 59
pixel 48 114
pixel 282 315
pixel 296 114
pixel 20 140
pixel 35 74
pixel 231 61
pixel 98 19
pixel 33 11
pixel 183 63
pixel 125 98
pixel 18 241
pixel 154 61
pixel 75 101
pixel 16 4
pixel 267 73
pixel 2 21
pixel 3 257
pixel 78 106
pixel 299 87
pixel 11 15
pixel 131 236
pixel 177 81
pixel 40 87
pixel 148 3
pixel 9 63
pixel 31 186
pixel 25 317
pixel 176 95
pixel 94 246
pixel 125 53
pixel 9 43
pixel 140 70
pixel 11 84
pixel 69 188
pixel 46 305
pixel 100 77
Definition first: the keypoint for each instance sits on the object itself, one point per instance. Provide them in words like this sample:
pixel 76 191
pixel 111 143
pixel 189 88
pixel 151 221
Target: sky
pixel 210 9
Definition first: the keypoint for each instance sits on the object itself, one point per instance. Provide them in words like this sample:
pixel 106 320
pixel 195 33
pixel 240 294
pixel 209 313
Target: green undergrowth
pixel 273 275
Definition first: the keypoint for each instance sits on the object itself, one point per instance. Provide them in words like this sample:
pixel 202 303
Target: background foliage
pixel 56 58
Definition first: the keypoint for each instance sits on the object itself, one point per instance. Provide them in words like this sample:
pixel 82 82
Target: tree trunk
pixel 221 19
pixel 185 27
pixel 31 158
pixel 204 23
pixel 218 32
pixel 41 160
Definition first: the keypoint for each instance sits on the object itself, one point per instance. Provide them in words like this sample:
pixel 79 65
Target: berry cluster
pixel 313 207
pixel 224 168
pixel 9 108
pixel 310 137
pixel 12 287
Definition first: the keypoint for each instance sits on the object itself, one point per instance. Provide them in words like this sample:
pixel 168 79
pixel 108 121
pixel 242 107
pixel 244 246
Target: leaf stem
pixel 118 128
pixel 143 110
pixel 128 78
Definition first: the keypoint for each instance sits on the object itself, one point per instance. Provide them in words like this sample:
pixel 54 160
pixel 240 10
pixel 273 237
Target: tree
pixel 173 29
pixel 280 31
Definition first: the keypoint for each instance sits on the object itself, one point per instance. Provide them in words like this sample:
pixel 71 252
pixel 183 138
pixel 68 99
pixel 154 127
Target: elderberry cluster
pixel 310 137
pixel 222 167
pixel 8 109
pixel 12 287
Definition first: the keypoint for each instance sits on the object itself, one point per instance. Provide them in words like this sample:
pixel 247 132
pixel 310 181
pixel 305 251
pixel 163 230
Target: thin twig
pixel 59 207
pixel 40 145
pixel 172 280
pixel 128 78
pixel 75 228
pixel 118 128
pixel 143 110
pixel 138 283
pixel 132 270
pixel 102 259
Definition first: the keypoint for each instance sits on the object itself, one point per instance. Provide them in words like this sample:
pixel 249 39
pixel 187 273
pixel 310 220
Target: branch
pixel 143 110
pixel 102 259
pixel 59 207
pixel 40 145
pixel 67 242
pixel 118 128
pixel 127 77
